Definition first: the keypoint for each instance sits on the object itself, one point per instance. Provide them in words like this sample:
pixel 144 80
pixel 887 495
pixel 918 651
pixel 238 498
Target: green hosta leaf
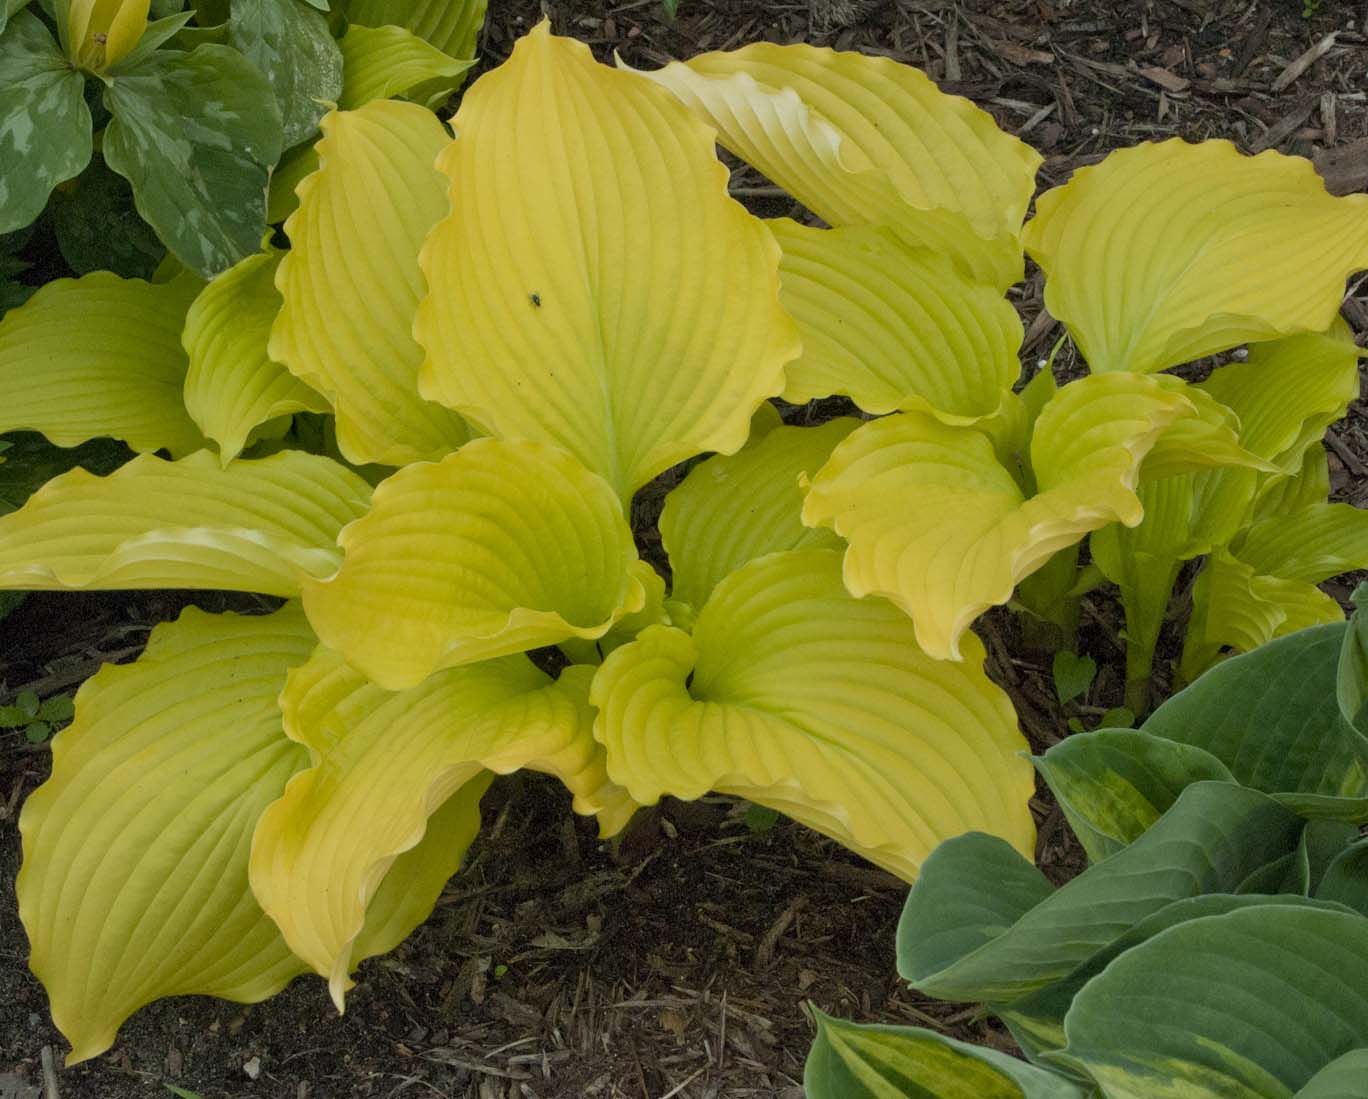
pixel 1351 677
pixel 1246 1005
pixel 196 135
pixel 44 120
pixel 99 230
pixel 1073 675
pixel 1113 784
pixel 1342 1078
pixel 1346 878
pixel 849 1061
pixel 290 42
pixel 1272 717
pixel 954 942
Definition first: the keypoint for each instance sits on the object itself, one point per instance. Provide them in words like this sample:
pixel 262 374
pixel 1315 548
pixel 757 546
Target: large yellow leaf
pixel 1167 252
pixel 594 286
pixel 134 883
pixel 351 282
pixel 867 141
pixel 384 762
pixel 734 508
pixel 99 355
pixel 499 548
pixel 793 694
pixel 232 386
pixel 893 327
pixel 254 526
pixel 383 62
pixel 939 526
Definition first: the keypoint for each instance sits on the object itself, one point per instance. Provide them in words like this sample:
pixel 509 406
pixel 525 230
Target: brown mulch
pixel 676 963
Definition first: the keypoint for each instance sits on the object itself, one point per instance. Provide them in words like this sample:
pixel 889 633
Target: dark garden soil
pixel 676 963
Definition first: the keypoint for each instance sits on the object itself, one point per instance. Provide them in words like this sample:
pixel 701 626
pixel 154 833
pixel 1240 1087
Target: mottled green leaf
pixel 44 120
pixel 850 1061
pixel 98 228
pixel 290 42
pixel 196 134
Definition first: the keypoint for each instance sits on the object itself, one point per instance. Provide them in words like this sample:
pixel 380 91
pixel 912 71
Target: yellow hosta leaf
pixel 732 509
pixel 867 141
pixel 382 62
pixel 936 523
pixel 594 286
pixel 232 386
pixel 1311 545
pixel 450 25
pixel 1309 486
pixel 1167 252
pixel 893 327
pixel 351 282
pixel 254 526
pixel 384 762
pixel 1289 391
pixel 499 548
pixel 1208 439
pixel 134 883
pixel 795 695
pixel 99 355
pixel 1232 605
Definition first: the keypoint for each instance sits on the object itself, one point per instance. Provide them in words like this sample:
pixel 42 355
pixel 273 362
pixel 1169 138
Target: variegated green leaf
pixel 290 42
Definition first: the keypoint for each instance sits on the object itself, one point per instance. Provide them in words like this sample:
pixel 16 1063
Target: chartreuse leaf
pixel 1342 1078
pixel 1289 391
pixel 134 882
pixel 382 62
pixel 866 141
pixel 1208 439
pixel 384 762
pixel 893 327
pixel 499 548
pixel 939 526
pixel 233 386
pixel 1310 545
pixel 346 326
pixel 1168 251
pixel 849 1061
pixel 450 25
pixel 256 526
pixel 1308 484
pixel 1246 1005
pixel 196 135
pixel 118 372
pixel 959 939
pixel 290 42
pixel 615 249
pixel 44 120
pixel 792 694
pixel 1272 717
pixel 1113 784
pixel 732 509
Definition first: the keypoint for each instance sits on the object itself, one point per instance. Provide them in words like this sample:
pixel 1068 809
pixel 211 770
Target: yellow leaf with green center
pixel 595 287
pixel 233 386
pixel 99 355
pixel 939 526
pixel 351 283
pixel 499 548
pixel 384 762
pixel 893 327
pixel 1167 252
pixel 257 526
pixel 794 695
pixel 867 141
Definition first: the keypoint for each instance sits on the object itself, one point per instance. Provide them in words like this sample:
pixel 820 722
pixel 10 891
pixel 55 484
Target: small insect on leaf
pixel 535 299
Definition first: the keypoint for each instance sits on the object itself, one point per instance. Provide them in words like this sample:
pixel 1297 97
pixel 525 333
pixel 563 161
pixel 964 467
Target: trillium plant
pixel 508 328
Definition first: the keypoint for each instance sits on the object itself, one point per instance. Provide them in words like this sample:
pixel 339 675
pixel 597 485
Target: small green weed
pixel 39 718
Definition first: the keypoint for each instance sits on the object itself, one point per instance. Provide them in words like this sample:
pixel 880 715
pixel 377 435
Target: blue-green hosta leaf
pixel 850 1061
pixel 1272 717
pixel 1351 677
pixel 1246 1005
pixel 290 42
pixel 1113 784
pixel 1037 1020
pixel 1346 878
pixel 196 135
pixel 954 942
pixel 1342 1078
pixel 44 120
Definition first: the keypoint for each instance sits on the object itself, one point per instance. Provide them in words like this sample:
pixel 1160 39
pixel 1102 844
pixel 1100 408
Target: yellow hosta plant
pixel 508 328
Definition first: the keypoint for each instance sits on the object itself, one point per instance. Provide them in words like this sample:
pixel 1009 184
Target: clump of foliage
pixel 422 426
pixel 1217 946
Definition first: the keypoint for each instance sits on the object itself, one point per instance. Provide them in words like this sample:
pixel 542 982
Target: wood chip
pixel 1344 169
pixel 1170 82
pixel 1023 55
pixel 1304 62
